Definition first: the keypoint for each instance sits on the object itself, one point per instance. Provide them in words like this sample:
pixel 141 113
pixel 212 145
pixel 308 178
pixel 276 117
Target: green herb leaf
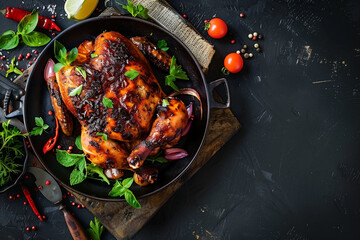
pixel 67 159
pixel 165 102
pixel 132 74
pixel 96 229
pixel 35 39
pixel 39 122
pixel 76 177
pixel 28 23
pixel 72 56
pixel 93 55
pixel 9 40
pixel 107 102
pixel 162 45
pixel 58 67
pixel 225 71
pixel 157 158
pixel 131 199
pixel 176 72
pixel 76 91
pixel 13 68
pixel 82 73
pixel 104 136
pixel 78 142
pixel 135 10
pixel 59 50
pixel 94 169
pixel 118 190
pixel 127 182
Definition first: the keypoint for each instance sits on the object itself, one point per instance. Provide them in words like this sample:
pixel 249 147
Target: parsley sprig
pixel 10 150
pixel 9 39
pixel 176 72
pixel 13 68
pixel 134 10
pixel 96 229
pixel 40 127
pixel 132 74
pixel 162 45
pixel 121 188
pixel 64 58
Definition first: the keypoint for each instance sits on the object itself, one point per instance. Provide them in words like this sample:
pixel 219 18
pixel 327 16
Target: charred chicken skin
pixel 136 124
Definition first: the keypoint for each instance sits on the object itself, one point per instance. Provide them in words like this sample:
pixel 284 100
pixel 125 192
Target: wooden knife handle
pixel 75 228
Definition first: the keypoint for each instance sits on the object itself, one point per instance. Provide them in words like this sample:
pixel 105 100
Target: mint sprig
pixel 134 10
pixel 121 188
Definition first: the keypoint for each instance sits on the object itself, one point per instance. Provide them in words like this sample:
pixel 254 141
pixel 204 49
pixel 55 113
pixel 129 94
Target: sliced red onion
pixel 189 109
pixel 172 154
pixel 191 92
pixel 187 128
pixel 49 69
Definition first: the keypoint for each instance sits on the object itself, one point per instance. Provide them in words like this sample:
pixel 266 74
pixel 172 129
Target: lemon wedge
pixel 79 9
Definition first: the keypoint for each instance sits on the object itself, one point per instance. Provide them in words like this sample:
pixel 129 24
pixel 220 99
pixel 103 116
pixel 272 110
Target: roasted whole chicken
pixel 137 124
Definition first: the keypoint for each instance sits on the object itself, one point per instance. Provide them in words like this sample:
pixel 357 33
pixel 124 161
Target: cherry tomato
pixel 218 28
pixel 233 62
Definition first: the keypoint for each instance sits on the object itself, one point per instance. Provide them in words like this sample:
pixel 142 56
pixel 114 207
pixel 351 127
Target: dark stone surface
pixel 292 172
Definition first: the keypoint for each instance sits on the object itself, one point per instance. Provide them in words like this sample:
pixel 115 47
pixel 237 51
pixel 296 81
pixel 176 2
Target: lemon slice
pixel 79 9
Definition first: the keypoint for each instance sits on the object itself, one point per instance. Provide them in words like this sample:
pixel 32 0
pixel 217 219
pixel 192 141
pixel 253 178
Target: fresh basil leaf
pixel 78 142
pixel 67 160
pixel 9 40
pixel 127 182
pixel 132 74
pixel 165 102
pixel 107 102
pixel 92 168
pixel 162 45
pixel 58 67
pixel 118 190
pixel 93 55
pixel 81 71
pixel 58 51
pixel 28 23
pixel 104 136
pixel 76 177
pixel 35 39
pixel 76 91
pixel 72 56
pixel 131 199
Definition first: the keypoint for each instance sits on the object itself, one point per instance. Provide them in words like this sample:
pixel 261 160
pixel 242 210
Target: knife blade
pixel 53 193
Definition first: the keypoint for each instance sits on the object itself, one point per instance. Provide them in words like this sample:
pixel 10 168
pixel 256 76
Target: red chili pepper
pixel 52 141
pixel 31 201
pixel 18 14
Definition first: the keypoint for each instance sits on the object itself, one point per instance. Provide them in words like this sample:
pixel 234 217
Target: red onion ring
pixel 172 154
pixel 187 128
pixel 49 69
pixel 189 109
pixel 191 92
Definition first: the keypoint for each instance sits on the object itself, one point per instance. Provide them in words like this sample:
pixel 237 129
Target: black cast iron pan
pixel 37 102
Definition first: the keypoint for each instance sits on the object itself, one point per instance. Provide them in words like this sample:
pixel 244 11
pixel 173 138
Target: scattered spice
pixel 250 36
pixel 246 55
pixel 34 164
pixel 40 187
pixel 254 38
pixel 20 57
pixel 33 228
pixel 36 52
pixel 259 37
pixel 242 50
pixel 78 206
pixel 242 15
pixel 73 203
pixel 50 113
pixel 47 182
pixel 238 52
pixel 70 147
pixel 255 34
pixel 53 34
pixel 232 41
pixel 52 16
pixel 185 16
pixel 256 45
pixel 18 195
pixel 245 47
pixel 22 70
pixel 58 147
pixel 27 229
pixel 258 50
pixel 2 58
pixel 251 55
pixel 34 59
pixel 25 203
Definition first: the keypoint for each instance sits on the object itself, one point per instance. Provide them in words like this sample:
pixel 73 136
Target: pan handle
pixel 12 91
pixel 214 84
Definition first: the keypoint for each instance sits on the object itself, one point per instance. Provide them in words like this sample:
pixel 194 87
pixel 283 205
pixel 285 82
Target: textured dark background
pixel 293 170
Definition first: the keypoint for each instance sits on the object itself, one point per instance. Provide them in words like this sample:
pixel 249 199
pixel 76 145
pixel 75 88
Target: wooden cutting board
pixel 119 218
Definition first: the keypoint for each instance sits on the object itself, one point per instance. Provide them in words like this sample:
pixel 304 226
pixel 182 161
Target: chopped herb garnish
pixel 81 71
pixel 107 102
pixel 162 45
pixel 93 55
pixel 165 102
pixel 135 10
pixel 132 74
pixel 176 72
pixel 104 136
pixel 76 91
pixel 40 127
pixel 13 68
